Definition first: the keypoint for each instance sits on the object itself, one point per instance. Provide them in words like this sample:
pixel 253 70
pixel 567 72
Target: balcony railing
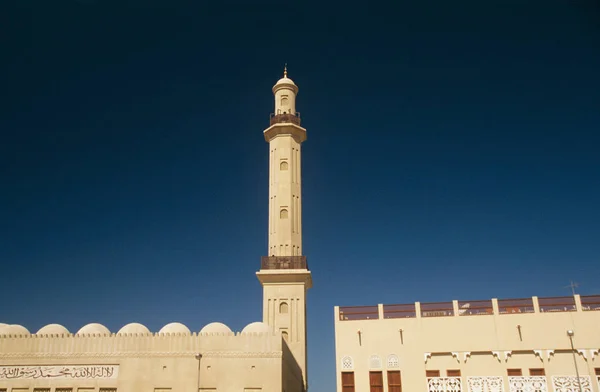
pixel 469 308
pixel 444 384
pixel 285 118
pixel 590 302
pixel 437 309
pixel 399 311
pixel 557 304
pixel 359 313
pixel 473 308
pixel 514 306
pixel 283 262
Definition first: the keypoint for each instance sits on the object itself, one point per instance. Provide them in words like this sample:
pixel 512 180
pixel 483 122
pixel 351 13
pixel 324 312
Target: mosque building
pixel 265 356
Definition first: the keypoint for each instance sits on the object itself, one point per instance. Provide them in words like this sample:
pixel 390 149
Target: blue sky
pixel 452 153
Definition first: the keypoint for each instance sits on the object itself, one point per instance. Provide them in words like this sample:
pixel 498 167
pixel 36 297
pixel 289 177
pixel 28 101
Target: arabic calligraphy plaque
pixel 59 372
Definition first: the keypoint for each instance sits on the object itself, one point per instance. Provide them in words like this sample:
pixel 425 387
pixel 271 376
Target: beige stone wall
pixel 477 345
pixel 149 362
pixel 287 287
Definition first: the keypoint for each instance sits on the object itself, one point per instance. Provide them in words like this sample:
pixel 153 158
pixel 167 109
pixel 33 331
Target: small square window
pixel 537 372
pixel 514 372
pixel 453 373
pixel 432 373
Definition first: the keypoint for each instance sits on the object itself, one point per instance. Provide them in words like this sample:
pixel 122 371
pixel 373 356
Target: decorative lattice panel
pixel 444 384
pixel 393 362
pixel 485 384
pixel 570 384
pixel 527 384
pixel 375 362
pixel 347 363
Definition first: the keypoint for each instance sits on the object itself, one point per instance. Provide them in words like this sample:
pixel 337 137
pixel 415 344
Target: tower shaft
pixel 285 198
pixel 284 273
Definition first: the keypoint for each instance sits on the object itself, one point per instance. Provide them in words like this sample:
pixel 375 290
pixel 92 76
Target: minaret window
pixel 283 165
pixel 283 214
pixel 284 100
pixel 283 307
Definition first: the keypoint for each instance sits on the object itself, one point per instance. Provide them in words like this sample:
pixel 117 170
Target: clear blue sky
pixel 452 153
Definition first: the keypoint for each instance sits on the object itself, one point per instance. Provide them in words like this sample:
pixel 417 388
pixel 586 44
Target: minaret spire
pixel 285 70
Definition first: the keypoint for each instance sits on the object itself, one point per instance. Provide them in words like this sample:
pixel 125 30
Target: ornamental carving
pixel 570 384
pixel 375 362
pixel 527 384
pixel 444 384
pixel 347 363
pixel 59 372
pixel 485 384
pixel 393 362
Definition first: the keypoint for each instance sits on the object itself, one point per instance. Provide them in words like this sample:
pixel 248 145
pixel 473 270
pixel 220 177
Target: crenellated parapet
pixel 134 339
pixel 131 329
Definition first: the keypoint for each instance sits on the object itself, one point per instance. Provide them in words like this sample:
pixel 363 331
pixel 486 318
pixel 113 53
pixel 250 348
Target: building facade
pixel 265 356
pixel 516 345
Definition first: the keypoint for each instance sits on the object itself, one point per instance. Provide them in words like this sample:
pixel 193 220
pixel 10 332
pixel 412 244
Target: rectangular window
pixel 108 389
pixel 63 390
pixel 432 373
pixel 597 371
pixel 394 381
pixel 376 381
pixel 537 372
pixel 347 381
pixel 453 373
pixel 514 372
pixel 41 389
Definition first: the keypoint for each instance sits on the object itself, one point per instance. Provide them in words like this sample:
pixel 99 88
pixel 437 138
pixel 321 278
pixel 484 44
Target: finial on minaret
pixel 285 70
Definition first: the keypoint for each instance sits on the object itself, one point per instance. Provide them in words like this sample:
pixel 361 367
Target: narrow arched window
pixel 283 307
pixel 284 334
pixel 283 165
pixel 283 214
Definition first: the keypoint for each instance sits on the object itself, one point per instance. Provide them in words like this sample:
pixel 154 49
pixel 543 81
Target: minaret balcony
pixel 283 262
pixel 285 118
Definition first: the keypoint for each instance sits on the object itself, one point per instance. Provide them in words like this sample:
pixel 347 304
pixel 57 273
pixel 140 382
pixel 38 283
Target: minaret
pixel 284 273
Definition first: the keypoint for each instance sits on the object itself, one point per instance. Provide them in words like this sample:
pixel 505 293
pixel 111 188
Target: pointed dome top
pixel 285 82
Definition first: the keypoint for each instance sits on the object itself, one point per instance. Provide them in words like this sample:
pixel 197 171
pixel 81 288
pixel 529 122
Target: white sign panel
pixel 59 372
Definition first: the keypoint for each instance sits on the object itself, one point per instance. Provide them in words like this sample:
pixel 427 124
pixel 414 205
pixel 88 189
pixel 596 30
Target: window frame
pixel 376 381
pixel 348 387
pixel 394 387
pixel 537 372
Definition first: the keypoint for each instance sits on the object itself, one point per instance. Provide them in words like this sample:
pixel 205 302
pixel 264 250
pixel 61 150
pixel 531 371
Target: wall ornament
pixel 59 372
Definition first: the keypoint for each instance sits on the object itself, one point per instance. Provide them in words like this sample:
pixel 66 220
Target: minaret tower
pixel 284 273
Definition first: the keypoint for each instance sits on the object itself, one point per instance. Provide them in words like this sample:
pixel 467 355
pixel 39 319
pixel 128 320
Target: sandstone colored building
pixel 265 356
pixel 516 345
